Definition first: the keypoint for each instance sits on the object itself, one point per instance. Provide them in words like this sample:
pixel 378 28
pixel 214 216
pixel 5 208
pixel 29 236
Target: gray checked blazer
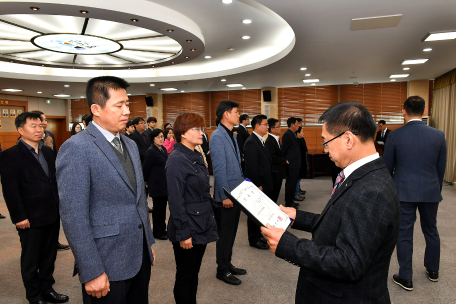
pixel 348 258
pixel 102 217
pixel 225 164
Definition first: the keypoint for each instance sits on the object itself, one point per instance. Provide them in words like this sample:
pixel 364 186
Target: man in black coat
pixel 140 138
pixel 30 190
pixel 258 169
pixel 242 135
pixel 279 163
pixel 151 125
pixel 348 257
pixel 383 132
pixel 292 152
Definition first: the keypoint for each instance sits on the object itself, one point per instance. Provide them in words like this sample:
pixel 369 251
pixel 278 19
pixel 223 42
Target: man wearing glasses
pixel 348 257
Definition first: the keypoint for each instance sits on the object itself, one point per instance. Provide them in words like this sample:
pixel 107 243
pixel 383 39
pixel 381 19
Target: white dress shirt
pixel 108 135
pixel 360 162
pixel 259 137
pixel 276 138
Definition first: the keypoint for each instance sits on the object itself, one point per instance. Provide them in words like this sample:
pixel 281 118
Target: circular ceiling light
pixel 307 75
pixel 76 44
pixel 406 69
pixel 39 92
pixel 128 94
pixel 193 50
pixel 66 85
pixel 182 91
pixel 207 57
pixel 246 21
pixel 245 37
pixel 223 80
pixel 393 79
pixel 227 1
pixel 303 69
pixel 231 49
pixel 134 20
pixel 427 50
pixel 34 8
pixel 152 85
pixel 170 31
pixel 188 40
pixel 84 12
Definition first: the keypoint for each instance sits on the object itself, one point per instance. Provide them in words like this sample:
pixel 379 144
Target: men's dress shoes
pixel 237 271
pixel 228 278
pixel 263 240
pixel 406 284
pixel 302 192
pixel 162 237
pixel 298 198
pixel 295 205
pixel 433 275
pixel 62 247
pixel 2 216
pixel 260 245
pixel 38 302
pixel 54 297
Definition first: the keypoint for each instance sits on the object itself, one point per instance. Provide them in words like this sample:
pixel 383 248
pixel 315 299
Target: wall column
pixel 419 88
pixel 273 104
pixel 157 109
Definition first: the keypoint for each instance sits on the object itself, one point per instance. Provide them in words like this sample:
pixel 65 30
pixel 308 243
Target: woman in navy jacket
pixel 155 180
pixel 191 224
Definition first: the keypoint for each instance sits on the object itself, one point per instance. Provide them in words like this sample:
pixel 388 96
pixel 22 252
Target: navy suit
pixel 292 153
pixel 415 156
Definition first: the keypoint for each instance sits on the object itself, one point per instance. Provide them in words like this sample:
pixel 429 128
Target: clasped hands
pixel 273 234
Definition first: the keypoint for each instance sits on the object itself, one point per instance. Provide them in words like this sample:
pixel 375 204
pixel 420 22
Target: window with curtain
pixel 175 104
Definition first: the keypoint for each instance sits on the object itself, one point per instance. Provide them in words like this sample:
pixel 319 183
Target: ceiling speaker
pixel 267 95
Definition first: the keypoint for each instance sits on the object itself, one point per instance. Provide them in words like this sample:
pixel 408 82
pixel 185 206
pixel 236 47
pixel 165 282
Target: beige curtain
pixel 444 118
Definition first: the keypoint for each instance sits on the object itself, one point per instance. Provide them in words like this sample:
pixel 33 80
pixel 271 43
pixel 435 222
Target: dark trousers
pixel 428 219
pixel 188 263
pixel 253 230
pixel 159 216
pixel 227 235
pixel 290 185
pixel 276 191
pixel 39 250
pixel 131 291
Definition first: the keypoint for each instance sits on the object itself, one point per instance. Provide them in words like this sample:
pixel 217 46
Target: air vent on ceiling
pixel 375 22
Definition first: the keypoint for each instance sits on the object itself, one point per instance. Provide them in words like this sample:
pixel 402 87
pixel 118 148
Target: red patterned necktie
pixel 340 178
pixel 144 137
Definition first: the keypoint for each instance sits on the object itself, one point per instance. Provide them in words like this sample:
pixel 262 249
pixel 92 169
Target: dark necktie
pixel 144 137
pixel 117 144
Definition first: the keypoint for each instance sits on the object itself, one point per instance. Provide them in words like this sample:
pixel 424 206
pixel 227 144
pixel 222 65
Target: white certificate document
pixel 260 206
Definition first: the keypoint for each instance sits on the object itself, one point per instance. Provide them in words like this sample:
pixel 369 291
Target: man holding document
pixel 348 257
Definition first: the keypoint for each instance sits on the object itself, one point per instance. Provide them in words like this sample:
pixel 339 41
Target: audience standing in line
pixel 169 140
pixel 299 193
pixel 258 169
pixel 279 163
pixel 155 180
pixel 416 156
pixel 30 190
pixel 76 128
pixel 151 124
pixel 139 137
pixel 130 128
pixel 191 223
pixel 292 153
pixel 348 258
pixel 383 132
pixel 86 119
pixel 242 135
pixel 226 163
pixel 104 214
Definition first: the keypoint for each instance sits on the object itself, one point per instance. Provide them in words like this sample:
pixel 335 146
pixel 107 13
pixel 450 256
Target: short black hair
pixel 166 132
pixel 223 106
pixel 21 119
pixel 165 125
pixel 156 132
pixel 137 120
pixel 257 120
pixel 217 121
pixel 87 118
pixel 298 119
pixel 291 120
pixel 243 117
pixel 129 123
pixel 271 123
pixel 414 106
pixel 97 90
pixel 151 119
pixel 382 122
pixel 349 116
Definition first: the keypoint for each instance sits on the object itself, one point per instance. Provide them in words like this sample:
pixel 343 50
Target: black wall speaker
pixel 267 95
pixel 149 101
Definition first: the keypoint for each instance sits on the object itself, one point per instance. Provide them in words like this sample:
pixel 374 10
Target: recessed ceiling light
pixel 223 80
pixel 134 20
pixel 393 79
pixel 61 95
pixel 168 89
pixel 186 57
pixel 414 61
pixel 182 91
pixel 307 75
pixel 189 40
pixel 427 50
pixel 84 12
pixel 66 85
pixel 192 50
pixel 231 49
pixel 243 88
pixel 440 36
pixel 207 57
pixel 234 85
pixel 303 69
pixel 11 90
pixel 245 37
pixel 246 21
pixel 227 1
pixel 152 85
pixel 39 92
pixel 81 97
pixel 399 76
pixel 170 31
pixel 312 84
pixel 311 80
pixel 406 69
pixel 128 94
pixel 172 62
pixel 34 8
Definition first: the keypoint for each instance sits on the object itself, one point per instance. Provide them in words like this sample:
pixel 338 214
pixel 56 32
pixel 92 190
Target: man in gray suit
pixel 226 163
pixel 103 204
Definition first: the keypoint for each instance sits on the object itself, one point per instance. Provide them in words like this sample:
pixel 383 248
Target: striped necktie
pixel 340 178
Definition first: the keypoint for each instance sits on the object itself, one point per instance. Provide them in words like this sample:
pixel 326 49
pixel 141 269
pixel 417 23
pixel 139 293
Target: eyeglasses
pixel 201 130
pixel 161 136
pixel 325 144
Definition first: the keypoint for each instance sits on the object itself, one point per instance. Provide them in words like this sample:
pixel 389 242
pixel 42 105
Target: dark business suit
pixel 292 153
pixel 32 194
pixel 205 145
pixel 241 137
pixel 148 132
pixel 383 138
pixel 258 169
pixel 279 164
pixel 416 154
pixel 348 258
pixel 142 144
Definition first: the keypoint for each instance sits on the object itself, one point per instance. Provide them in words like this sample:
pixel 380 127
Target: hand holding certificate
pixel 260 208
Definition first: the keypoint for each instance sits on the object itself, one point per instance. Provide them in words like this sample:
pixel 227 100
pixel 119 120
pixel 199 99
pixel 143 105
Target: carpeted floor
pixel 269 279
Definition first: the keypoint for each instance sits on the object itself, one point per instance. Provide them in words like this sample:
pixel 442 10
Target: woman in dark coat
pixel 191 224
pixel 155 179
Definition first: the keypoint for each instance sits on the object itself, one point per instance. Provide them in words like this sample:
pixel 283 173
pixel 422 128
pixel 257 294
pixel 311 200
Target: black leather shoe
pixel 2 216
pixel 406 284
pixel 295 205
pixel 263 240
pixel 161 237
pixel 260 245
pixel 62 247
pixel 228 278
pixel 38 302
pixel 302 192
pixel 298 198
pixel 237 271
pixel 54 297
pixel 433 275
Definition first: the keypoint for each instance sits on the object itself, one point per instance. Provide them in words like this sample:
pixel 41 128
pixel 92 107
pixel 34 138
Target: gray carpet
pixel 269 279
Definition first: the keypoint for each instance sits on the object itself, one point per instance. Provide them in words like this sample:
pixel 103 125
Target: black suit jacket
pixel 154 171
pixel 279 163
pixel 241 137
pixel 258 163
pixel 142 145
pixel 29 193
pixel 291 150
pixel 348 258
pixel 205 145
pixel 379 136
